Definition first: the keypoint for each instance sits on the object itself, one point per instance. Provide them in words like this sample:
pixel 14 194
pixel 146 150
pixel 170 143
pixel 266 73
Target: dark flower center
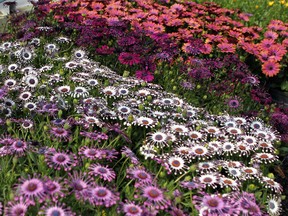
pixel 145 122
pixel 199 151
pixel 19 144
pixel 227 181
pixel 78 55
pixel 176 163
pixel 78 186
pixel 26 55
pixel 59 131
pixel 142 175
pixel 207 179
pixel 101 193
pixel 19 211
pixel 213 203
pixel 50 186
pixel 60 158
pixel 264 156
pixel 31 187
pixel 159 137
pixel 153 193
pixel 92 152
pixel 55 213
pixel 133 210
pixel 102 170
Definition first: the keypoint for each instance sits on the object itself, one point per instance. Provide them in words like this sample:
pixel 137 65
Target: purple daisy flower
pixel 102 171
pixel 191 185
pixel 59 160
pixel 140 175
pixel 102 196
pixel 80 183
pixel 234 102
pixel 53 189
pixel 131 209
pixel 19 147
pixel 130 154
pixel 90 153
pixel 31 189
pixel 18 207
pixel 213 204
pixel 60 133
pixel 6 140
pixel 154 196
pixel 55 209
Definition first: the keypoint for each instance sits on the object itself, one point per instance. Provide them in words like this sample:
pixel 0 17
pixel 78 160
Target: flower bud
pixel 193 168
pixel 175 88
pixel 187 178
pixel 252 187
pixel 198 86
pixel 271 175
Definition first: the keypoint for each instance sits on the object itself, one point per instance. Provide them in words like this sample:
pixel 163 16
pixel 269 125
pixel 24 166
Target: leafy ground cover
pixel 76 129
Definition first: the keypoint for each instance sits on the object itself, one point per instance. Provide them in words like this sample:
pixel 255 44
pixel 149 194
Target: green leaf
pixel 284 86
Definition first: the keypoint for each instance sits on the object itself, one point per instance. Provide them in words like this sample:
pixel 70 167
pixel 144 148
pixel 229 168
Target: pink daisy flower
pixel 59 160
pixel 55 209
pixel 80 184
pixel 129 58
pixel 271 68
pixel 154 196
pixel 31 188
pixel 89 153
pixel 102 171
pixel 102 196
pixel 16 208
pixel 227 48
pixel 60 133
pixel 131 209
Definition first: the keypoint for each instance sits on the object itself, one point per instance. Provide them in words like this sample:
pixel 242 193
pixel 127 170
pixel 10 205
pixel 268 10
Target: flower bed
pixel 96 140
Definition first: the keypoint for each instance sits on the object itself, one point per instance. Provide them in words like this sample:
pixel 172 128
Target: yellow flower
pixel 282 2
pixel 286 5
pixel 257 6
pixel 270 3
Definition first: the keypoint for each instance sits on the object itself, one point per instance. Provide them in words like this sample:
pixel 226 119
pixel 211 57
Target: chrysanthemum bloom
pixel 60 133
pixel 140 175
pixel 274 205
pixel 102 196
pixel 129 58
pixel 104 172
pixel 131 209
pixel 31 189
pixel 271 68
pixel 59 160
pixel 53 209
pixel 18 207
pixel 213 204
pixel 79 183
pixel 154 196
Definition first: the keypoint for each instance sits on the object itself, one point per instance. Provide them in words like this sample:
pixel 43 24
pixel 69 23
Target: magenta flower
pixel 131 209
pixel 31 189
pixel 18 207
pixel 103 196
pixel 154 196
pixel 129 58
pixel 60 160
pixel 102 171
pixel 53 209
pixel 140 175
pixel 80 184
pixel 144 75
pixel 90 153
pixel 60 133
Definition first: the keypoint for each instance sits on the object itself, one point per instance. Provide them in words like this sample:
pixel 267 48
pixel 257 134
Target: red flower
pixel 129 58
